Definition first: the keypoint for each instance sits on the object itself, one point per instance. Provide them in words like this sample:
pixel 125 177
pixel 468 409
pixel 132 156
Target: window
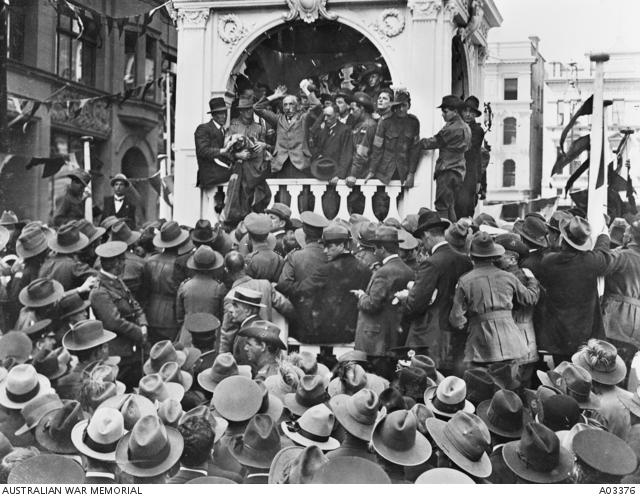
pixel 16 32
pixel 150 67
pixel 76 47
pixel 617 112
pixel 509 126
pixel 511 89
pixel 130 43
pixel 560 113
pixel 509 173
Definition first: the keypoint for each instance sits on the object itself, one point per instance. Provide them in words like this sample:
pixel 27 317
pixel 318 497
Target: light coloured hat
pixel 448 397
pixel 313 428
pixel 97 438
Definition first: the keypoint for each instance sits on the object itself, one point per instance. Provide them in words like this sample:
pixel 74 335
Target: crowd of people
pixel 319 351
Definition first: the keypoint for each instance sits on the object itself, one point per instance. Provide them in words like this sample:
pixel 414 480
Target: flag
pixel 586 109
pixel 575 175
pixel 51 165
pixel 576 148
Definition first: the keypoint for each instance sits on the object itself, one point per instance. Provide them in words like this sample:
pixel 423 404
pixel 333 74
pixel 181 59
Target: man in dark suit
pixel 334 140
pixel 117 204
pixel 428 303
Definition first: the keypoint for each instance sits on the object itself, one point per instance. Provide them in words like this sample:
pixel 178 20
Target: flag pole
pixel 88 203
pixel 166 211
pixel 597 202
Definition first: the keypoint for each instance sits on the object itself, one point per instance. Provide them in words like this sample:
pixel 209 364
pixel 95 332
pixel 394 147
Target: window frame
pixel 513 134
pixel 511 175
pixel 504 89
pixel 89 46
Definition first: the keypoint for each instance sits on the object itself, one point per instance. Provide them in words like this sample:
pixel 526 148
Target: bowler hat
pixel 121 232
pixel 483 246
pixel 323 168
pixel 429 220
pixel 350 470
pixel 86 334
pixel 170 235
pixel 538 457
pixel 91 231
pixel 601 360
pixel 604 452
pixel 68 239
pixel 472 103
pixel 223 366
pixel 47 469
pixel 335 233
pixel 15 346
pixel 503 414
pixel 41 292
pixel 70 304
pixel 54 429
pixel 160 353
pixel 451 101
pixel 31 242
pixel 217 104
pixel 534 230
pixel 22 384
pixel 313 428
pixel 448 397
pixel 81 175
pixel 150 449
pixel 37 408
pixel 442 475
pixel 203 232
pixel 8 218
pixel 132 407
pixel 357 413
pixel 396 439
pixel 310 392
pixel 98 437
pixel 111 249
pixel 259 444
pixel 237 398
pixel 264 331
pixel 296 465
pixel 386 234
pixel 120 177
pixel 248 296
pixel 512 242
pixel 577 233
pixel 281 210
pixel 364 100
pixel 154 387
pixel 204 259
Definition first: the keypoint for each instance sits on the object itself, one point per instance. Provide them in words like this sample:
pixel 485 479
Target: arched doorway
pixel 459 69
pixel 134 165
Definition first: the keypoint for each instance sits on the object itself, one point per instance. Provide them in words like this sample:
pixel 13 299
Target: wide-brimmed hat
pixel 21 385
pixel 81 175
pixel 456 234
pixel 473 104
pixel 8 218
pixel 68 239
pixel 37 408
pixel 217 104
pixel 162 352
pixel 572 380
pixel 203 232
pixel 323 168
pixel 604 452
pixel 171 372
pixel 98 437
pixel 54 429
pixel 396 439
pixel 426 363
pixel 503 414
pixel 409 242
pixel 451 101
pixel 448 397
pixel 150 449
pixel 121 232
pixel 429 220
pixel 120 177
pixel 170 235
pixel 110 250
pixel 633 403
pixel 244 104
pixel 577 233
pixel 170 411
pixel 513 242
pixel 364 233
pixel 247 296
pixel 504 375
pixel 296 465
pixel 264 331
pixel 218 424
pixel 559 412
pixel 534 230
pixel 223 366
pixel 39 328
pixel 41 292
pixel 152 386
pixel 90 231
pixel 313 428
pixel 355 378
pixel 271 404
pixel 51 364
pixel 386 234
pixel 15 346
pixel 369 69
pixel 86 334
pixel 132 407
pixel 70 304
pixel 483 246
pixel 310 392
pixel 31 242
pixel 205 259
pixel 106 372
pixel 237 398
pixel 538 457
pixel 47 469
pixel 465 439
pixel 350 470
pixel 259 444
pixel 443 475
pixel 601 360
pixel 357 413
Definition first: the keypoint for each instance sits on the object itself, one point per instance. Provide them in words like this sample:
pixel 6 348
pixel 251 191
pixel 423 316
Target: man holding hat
pixel 71 206
pixel 117 204
pixel 115 306
pixel 263 262
pixel 468 197
pixel 331 142
pixel 453 140
pixel 364 131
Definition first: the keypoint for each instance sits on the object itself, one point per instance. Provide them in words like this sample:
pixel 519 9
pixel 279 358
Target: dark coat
pixel 126 212
pixel 334 308
pixel 430 322
pixel 467 198
pixel 335 143
pixel 209 141
pixel 67 270
pixel 571 313
pixel 379 327
pixel 160 289
pixel 70 208
pixel 133 270
pixel 363 134
pixel 395 148
pixel 264 263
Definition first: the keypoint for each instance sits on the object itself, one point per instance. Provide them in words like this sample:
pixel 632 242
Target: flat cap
pixel 335 233
pixel 257 224
pixel 279 209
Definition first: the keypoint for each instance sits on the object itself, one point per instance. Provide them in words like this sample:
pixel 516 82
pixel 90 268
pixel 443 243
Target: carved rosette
pixel 190 18
pixel 425 10
pixel 389 25
pixel 231 30
pixel 308 10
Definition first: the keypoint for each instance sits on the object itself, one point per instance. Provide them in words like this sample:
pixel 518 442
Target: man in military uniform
pixel 263 262
pixel 364 131
pixel 114 305
pixel 280 215
pixel 262 347
pixel 133 264
pixel 71 205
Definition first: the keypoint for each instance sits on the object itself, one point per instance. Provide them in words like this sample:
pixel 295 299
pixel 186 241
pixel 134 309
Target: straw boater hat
pixel 601 360
pixel 120 177
pixel 41 292
pixel 97 438
pixel 396 439
pixel 358 413
pixel 237 398
pixel 314 427
pixel 21 385
pixel 47 469
pixel 54 429
pixel 448 397
pixel 248 296
pixel 223 366
pixel 170 235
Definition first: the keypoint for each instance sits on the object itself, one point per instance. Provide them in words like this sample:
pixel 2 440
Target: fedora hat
pixel 81 175
pixel 120 177
pixel 366 232
pixel 217 104
pixel 54 429
pixel 86 334
pixel 364 100
pixel 120 232
pixel 473 104
pixel 15 346
pixel 237 398
pixel 150 449
pixel 39 328
pixel 465 439
pixel 503 414
pixel 244 104
pixel 68 239
pixel 503 375
pixel 559 412
pixel 47 362
pixel 98 437
pixel 308 363
pixel 296 465
pixel 351 470
pixel 223 366
pixel 218 424
pixel 259 444
pixel 456 234
pixel 533 230
pixel 264 331
pixel 357 413
pixel 160 353
pixel 47 469
pixel 577 233
pixel 534 398
pixel 248 296
pixel 37 408
pixel 170 412
pixel 90 231
pixel 601 360
pixel 386 234
pixel 31 242
pixel 483 246
pixel 313 428
pixel 132 407
pixel 604 452
pixel 444 476
pixel 203 232
pixel 8 218
pixel 355 378
pixel 448 397
pixel 104 372
pixel 451 101
pixel 396 439
pixel 170 235
pixel 538 457
pixel 170 372
pixel 310 392
pixel 323 168
pixel 426 363
pixel 70 304
pixel 109 221
pixel 572 380
pixel 152 386
pixel 41 292
pixel 429 220
pixel 204 259
pixel 21 385
pixel 271 404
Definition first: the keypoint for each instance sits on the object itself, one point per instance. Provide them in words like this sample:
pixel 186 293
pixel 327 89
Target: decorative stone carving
pixel 308 10
pixel 92 118
pixel 188 18
pixel 425 9
pixel 231 30
pixel 483 53
pixel 390 23
pixel 476 17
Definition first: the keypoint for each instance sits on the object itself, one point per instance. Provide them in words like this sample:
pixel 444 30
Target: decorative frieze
pixel 231 30
pixel 425 10
pixel 308 10
pixel 191 18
